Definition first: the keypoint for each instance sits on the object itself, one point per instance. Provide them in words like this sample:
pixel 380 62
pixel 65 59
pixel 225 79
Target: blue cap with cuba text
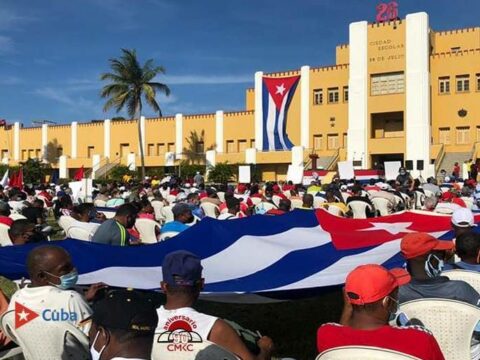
pixel 181 268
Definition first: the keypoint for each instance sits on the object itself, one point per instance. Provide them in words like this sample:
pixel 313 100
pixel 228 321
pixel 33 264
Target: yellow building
pixel 398 91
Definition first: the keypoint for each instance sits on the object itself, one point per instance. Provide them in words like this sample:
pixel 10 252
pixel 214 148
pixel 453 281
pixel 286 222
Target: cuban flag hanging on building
pixel 277 96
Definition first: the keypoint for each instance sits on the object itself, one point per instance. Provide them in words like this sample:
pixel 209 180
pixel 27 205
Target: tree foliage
pixel 129 83
pixel 118 172
pixel 34 171
pixel 51 153
pixel 189 170
pixel 221 173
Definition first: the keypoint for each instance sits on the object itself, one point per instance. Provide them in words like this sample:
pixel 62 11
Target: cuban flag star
pixel 277 96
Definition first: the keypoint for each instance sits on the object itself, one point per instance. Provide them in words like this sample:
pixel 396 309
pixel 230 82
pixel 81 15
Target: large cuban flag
pixel 282 257
pixel 277 96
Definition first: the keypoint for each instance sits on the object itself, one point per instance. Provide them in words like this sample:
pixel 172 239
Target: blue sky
pixel 53 51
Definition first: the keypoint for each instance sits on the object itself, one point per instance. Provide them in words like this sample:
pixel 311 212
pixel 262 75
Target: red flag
pixel 79 174
pixel 20 178
pixel 13 179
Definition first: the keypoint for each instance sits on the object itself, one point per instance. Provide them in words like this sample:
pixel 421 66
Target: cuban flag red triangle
pixel 23 315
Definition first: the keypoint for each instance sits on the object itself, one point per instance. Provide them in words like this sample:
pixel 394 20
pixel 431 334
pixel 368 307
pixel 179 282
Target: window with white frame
pixel 387 83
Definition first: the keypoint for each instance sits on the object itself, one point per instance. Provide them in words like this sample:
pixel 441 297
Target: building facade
pixel 398 91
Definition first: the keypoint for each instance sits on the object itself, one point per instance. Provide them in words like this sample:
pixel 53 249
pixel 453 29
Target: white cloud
pixel 205 79
pixel 9 20
pixel 10 80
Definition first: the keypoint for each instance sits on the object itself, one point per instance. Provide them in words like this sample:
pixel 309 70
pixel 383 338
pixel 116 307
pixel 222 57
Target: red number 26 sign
pixel 387 12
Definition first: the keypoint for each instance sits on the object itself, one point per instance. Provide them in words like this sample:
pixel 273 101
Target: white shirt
pixel 188 319
pixel 48 297
pixel 89 226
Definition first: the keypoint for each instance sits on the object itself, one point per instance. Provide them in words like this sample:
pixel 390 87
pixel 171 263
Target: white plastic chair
pixel 100 203
pixel 363 353
pixel 171 199
pixel 12 354
pixel 79 233
pixel 157 208
pixel 168 235
pixel 345 196
pixel 276 200
pixel 383 206
pixel 4 237
pixel 210 210
pixel 168 213
pixel 266 205
pixel 256 200
pixel 470 277
pixel 318 201
pixel 419 200
pixel 146 228
pixel 468 201
pixel 335 210
pixel 221 196
pixel 288 194
pixel 452 323
pixel 428 193
pixel 15 216
pixel 203 349
pixel 296 203
pixel 65 222
pixel 46 340
pixel 359 209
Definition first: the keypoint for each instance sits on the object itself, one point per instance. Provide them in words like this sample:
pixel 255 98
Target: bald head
pixel 45 264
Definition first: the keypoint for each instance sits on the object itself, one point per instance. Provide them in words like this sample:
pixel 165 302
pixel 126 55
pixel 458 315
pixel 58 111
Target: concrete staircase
pixel 106 168
pixel 451 158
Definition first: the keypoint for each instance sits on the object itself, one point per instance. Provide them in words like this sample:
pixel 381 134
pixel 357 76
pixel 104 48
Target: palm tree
pixel 129 83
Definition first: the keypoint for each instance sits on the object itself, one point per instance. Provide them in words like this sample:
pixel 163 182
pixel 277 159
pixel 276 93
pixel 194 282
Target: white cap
pixel 384 186
pixel 463 217
pixel 447 179
pixel 344 187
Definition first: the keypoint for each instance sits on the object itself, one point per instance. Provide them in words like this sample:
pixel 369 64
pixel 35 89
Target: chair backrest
pixel 276 200
pixel 362 353
pixel 221 196
pixel 296 203
pixel 419 200
pixel 65 222
pixel 256 200
pixel 382 205
pixel 335 210
pixel 79 233
pixel 265 206
pixel 470 277
pixel 211 210
pixel 452 323
pixel 168 235
pixel 100 203
pixel 147 230
pixel 196 350
pixel 157 208
pixel 171 199
pixel 288 194
pixel 345 196
pixel 4 237
pixel 359 209
pixel 318 201
pixel 15 216
pixel 468 201
pixel 168 213
pixel 428 193
pixel 40 339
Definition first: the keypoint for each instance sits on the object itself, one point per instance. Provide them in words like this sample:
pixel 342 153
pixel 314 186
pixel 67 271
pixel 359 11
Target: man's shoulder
pixel 412 330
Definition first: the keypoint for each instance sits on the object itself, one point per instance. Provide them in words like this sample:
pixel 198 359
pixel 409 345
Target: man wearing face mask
pixel 424 255
pixel 403 176
pixel 182 215
pixel 114 231
pixel 52 275
pixel 371 293
pixel 123 326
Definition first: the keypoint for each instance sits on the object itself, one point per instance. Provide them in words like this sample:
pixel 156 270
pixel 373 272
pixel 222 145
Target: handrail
pixel 334 160
pixel 107 161
pixel 439 158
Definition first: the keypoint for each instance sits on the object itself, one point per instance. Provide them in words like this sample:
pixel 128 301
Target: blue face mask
pixel 67 281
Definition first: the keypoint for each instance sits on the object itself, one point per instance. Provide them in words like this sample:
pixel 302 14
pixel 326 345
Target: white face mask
pixel 93 352
pixel 431 270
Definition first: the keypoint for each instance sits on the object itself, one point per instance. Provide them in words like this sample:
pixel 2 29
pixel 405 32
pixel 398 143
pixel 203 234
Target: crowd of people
pixel 128 324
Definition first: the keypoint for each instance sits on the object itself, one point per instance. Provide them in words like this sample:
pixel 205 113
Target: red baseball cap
pixel 448 196
pixel 367 284
pixel 417 244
